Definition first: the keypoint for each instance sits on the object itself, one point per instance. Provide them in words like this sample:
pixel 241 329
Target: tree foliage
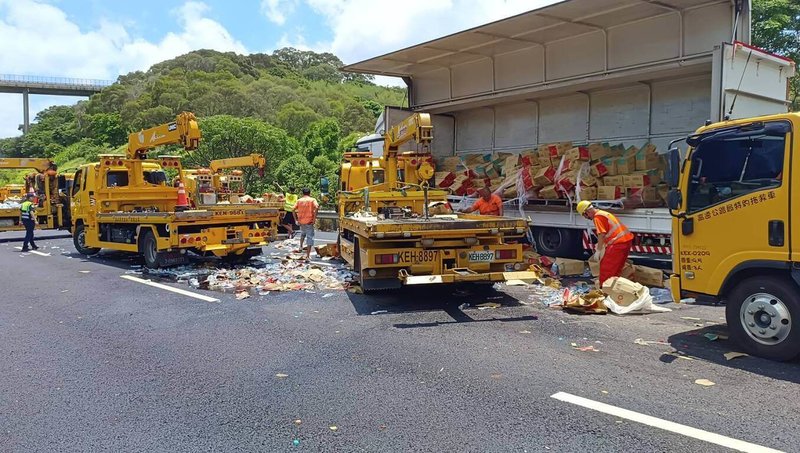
pixel 776 28
pixel 293 106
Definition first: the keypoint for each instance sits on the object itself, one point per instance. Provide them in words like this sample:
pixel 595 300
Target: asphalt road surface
pixel 95 362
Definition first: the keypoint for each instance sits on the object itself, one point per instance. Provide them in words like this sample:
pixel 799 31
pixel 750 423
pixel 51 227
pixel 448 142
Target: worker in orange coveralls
pixel 487 204
pixel 614 240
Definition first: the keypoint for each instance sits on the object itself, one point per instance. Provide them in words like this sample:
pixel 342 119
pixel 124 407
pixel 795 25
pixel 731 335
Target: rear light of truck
pixel 387 259
pixel 505 254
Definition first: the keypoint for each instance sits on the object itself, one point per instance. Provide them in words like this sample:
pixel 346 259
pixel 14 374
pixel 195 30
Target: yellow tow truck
pixel 389 236
pixel 123 202
pixel 212 186
pixel 736 231
pixel 12 192
pixel 49 187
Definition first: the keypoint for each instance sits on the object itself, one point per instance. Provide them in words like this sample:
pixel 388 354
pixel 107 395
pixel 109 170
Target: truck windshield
pixel 732 165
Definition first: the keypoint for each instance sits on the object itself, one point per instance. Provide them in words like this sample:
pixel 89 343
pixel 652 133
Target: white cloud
pixel 367 28
pixel 39 39
pixel 277 10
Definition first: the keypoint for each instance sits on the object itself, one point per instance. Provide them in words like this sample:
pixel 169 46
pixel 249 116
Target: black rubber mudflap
pixel 377 284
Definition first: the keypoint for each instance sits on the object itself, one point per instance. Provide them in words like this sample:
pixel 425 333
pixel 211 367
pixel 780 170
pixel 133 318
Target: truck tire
pixel 761 312
pixel 148 247
pixel 559 242
pixel 79 239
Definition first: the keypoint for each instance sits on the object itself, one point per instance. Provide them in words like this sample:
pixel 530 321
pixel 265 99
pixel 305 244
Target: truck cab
pixel 735 233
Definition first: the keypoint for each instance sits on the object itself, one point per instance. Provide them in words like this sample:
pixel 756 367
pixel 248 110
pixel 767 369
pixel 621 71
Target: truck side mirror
pixel 674 199
pixel 674 167
pixel 324 186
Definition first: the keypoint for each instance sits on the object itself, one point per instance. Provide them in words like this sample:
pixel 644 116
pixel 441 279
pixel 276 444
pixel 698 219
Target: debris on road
pixel 711 336
pixel 589 348
pixel 378 312
pixel 264 274
pixel 488 305
pixel 734 355
pixel 281 375
pixel 704 382
pixel 642 342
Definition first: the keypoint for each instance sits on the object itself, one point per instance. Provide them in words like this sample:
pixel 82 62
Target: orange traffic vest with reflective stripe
pixel 617 232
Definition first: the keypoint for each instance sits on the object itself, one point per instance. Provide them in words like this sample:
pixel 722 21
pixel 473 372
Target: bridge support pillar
pixel 26 111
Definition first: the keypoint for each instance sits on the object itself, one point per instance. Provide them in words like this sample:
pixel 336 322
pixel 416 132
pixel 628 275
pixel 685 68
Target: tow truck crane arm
pixel 416 127
pixel 183 131
pixel 253 160
pixel 40 165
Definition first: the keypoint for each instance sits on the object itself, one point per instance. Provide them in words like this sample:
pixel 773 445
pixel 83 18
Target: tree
pixel 295 118
pixel 776 28
pixel 349 142
pixel 227 136
pixel 56 124
pixel 297 172
pixel 356 118
pixel 321 139
pixel 107 128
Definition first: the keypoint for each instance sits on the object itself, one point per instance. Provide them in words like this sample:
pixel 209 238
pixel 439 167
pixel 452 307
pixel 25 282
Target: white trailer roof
pixel 537 28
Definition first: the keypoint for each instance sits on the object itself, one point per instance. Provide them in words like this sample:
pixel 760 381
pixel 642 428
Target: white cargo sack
pixel 625 296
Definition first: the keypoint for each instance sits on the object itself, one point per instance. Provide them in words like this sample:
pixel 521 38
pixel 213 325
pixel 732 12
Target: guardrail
pixel 14 79
pixel 328 215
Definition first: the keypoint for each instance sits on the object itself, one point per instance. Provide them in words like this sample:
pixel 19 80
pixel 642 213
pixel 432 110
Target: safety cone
pixel 183 202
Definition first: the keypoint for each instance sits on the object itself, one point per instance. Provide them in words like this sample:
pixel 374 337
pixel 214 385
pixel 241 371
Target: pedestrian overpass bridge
pixel 53 86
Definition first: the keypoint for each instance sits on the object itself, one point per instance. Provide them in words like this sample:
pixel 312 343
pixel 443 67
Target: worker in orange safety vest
pixel 614 240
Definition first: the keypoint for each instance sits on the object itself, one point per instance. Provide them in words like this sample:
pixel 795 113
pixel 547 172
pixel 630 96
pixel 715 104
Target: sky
pixel 101 39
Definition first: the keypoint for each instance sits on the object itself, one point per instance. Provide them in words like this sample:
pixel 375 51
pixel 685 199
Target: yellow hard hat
pixel 583 205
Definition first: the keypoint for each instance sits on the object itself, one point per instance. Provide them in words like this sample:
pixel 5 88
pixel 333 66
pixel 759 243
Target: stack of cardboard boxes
pixel 597 171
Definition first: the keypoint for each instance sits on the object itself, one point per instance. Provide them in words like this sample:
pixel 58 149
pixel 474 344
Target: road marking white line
pixel 666 425
pixel 169 288
pixel 34 252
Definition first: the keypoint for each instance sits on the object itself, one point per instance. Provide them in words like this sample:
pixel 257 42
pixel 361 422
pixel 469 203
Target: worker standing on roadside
pixel 305 214
pixel 487 204
pixel 289 202
pixel 27 214
pixel 614 240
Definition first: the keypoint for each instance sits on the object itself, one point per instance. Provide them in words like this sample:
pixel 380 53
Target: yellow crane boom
pixel 40 165
pixel 253 160
pixel 183 131
pixel 416 127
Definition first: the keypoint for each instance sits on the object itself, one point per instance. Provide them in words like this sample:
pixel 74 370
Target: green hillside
pixel 295 107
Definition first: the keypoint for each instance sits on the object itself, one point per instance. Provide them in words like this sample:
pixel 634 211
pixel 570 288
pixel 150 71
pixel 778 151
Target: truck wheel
pixel 79 239
pixel 760 312
pixel 559 242
pixel 148 247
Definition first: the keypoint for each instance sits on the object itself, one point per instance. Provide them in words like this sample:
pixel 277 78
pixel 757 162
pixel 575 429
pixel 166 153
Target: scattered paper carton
pixel 626 165
pixel 549 192
pixel 570 267
pixel 609 193
pixel 578 153
pixel 598 169
pixel 545 176
pixel 648 276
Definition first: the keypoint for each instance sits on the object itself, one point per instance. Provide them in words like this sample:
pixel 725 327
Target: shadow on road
pixel 695 344
pixel 458 301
